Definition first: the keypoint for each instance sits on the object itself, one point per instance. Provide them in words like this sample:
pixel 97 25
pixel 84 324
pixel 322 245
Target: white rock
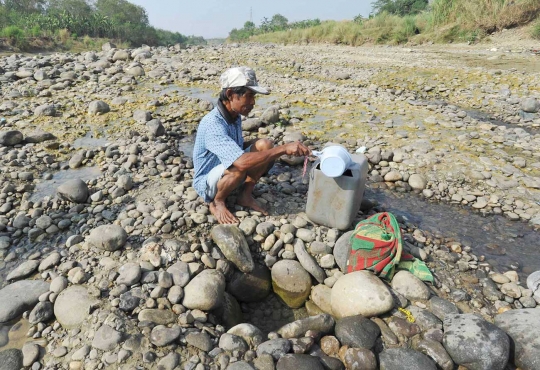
pixel 360 293
pixel 410 286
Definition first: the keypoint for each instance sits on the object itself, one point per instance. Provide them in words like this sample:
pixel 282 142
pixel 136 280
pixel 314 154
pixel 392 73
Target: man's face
pixel 243 104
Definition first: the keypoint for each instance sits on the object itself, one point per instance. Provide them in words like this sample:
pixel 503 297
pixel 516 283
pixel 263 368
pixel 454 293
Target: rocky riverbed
pixel 109 259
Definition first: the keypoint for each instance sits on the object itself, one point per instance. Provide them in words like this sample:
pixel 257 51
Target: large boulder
pixel 475 343
pixel 10 138
pixel 205 291
pixel 360 293
pixel 233 245
pixel 74 190
pixel 19 297
pixel 108 237
pixel 72 306
pixel 291 282
pixel 523 327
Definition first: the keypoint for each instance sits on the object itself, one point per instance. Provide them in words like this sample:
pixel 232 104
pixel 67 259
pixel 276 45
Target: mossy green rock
pixel 291 282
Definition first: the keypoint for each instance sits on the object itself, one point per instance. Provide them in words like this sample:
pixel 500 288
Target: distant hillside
pixel 402 21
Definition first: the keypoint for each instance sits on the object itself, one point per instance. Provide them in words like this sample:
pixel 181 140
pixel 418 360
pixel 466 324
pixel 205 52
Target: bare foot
pixel 222 214
pixel 250 202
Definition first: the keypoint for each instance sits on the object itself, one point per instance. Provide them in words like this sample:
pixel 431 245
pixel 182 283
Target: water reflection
pixel 48 187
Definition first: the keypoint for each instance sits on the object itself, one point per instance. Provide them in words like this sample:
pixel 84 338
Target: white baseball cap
pixel 241 77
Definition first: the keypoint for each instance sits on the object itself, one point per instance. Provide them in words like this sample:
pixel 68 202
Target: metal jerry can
pixel 334 202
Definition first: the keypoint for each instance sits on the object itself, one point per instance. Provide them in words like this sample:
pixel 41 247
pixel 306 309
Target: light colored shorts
pixel 214 176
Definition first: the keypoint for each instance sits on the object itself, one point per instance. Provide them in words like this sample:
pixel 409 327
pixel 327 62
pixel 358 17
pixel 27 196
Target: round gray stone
pixel 72 306
pixel 98 107
pixel 205 291
pixel 74 190
pixel 162 336
pixel 129 274
pixel 108 237
pixel 357 332
pixel 10 138
pixel 410 286
pixel 376 298
pixel 106 338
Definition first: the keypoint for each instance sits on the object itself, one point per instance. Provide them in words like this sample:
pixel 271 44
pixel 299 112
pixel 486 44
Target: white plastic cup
pixel 335 160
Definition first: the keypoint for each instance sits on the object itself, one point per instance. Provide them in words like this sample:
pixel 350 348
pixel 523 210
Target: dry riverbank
pixel 112 260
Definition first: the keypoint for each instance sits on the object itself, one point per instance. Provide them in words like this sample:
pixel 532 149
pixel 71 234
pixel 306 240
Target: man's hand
pixel 297 149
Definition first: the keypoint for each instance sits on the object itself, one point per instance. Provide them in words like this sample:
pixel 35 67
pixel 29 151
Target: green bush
pixel 405 30
pixel 16 36
pixel 12 32
pixel 535 33
pixel 35 31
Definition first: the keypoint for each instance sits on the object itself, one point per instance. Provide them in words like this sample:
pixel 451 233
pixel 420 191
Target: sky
pixel 215 18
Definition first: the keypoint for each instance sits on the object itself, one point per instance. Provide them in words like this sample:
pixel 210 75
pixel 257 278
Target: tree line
pixel 277 23
pixel 114 19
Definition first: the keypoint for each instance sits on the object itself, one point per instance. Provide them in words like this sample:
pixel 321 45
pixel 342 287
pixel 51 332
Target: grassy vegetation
pixel 444 21
pixel 535 32
pixel 69 21
pixel 276 24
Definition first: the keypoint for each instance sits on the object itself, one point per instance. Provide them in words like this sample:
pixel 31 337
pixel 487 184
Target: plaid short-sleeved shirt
pixel 217 142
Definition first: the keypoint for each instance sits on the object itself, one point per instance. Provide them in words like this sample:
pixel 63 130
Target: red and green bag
pixel 376 246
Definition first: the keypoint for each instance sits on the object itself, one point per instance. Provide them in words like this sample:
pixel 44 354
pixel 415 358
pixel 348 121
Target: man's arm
pixel 252 159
